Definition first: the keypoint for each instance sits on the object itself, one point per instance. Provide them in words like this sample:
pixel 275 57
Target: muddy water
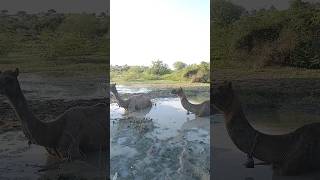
pixel 132 89
pixel 18 160
pixel 163 142
pixel 228 160
pixel 68 88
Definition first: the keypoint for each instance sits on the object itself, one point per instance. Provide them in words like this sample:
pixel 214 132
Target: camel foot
pixel 29 143
pixel 249 163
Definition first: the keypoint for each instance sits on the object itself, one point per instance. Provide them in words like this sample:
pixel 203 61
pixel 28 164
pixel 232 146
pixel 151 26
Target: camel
pixel 133 103
pixel 71 135
pixel 201 110
pixel 289 154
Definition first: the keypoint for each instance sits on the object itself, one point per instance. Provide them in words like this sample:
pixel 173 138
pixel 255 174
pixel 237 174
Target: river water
pixel 163 142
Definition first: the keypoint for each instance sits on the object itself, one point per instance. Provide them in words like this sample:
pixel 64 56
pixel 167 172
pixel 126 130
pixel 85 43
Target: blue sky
pixel 169 30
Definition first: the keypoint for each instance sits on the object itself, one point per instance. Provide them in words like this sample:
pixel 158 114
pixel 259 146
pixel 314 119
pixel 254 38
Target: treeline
pixel 51 34
pixel 265 37
pixel 161 71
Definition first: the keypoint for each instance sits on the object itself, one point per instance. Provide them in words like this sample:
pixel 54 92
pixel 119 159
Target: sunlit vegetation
pixel 161 71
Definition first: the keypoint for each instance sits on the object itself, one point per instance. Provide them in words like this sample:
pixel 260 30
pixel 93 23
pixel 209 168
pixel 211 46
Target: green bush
pixel 269 37
pixel 7 44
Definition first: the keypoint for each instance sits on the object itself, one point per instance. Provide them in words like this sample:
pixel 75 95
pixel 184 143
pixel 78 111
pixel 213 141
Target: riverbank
pixel 277 88
pixel 77 66
pixel 198 91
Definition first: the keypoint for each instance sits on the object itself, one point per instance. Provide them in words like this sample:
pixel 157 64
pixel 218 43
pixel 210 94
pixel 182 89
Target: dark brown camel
pixel 290 154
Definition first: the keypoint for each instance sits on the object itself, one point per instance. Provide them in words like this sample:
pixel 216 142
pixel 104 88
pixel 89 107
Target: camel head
pixel 113 88
pixel 223 96
pixel 179 92
pixel 9 84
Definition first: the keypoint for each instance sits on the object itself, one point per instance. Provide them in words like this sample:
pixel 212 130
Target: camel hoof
pixel 249 163
pixel 29 143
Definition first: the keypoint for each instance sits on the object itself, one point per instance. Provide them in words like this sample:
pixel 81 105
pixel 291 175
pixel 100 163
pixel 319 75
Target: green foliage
pixel 193 73
pixel 6 43
pixel 159 68
pixel 84 24
pixel 224 12
pixel 269 37
pixel 179 65
pixel 52 35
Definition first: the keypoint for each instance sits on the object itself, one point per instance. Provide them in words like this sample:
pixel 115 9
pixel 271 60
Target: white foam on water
pixel 122 89
pixel 157 152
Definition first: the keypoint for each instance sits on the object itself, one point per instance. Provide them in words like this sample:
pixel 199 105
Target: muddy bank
pixel 281 94
pixel 200 93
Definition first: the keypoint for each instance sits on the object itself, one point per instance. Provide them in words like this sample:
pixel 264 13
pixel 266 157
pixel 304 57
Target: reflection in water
pixel 228 158
pixel 165 143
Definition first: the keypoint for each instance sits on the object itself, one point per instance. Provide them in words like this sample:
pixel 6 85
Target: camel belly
pixel 139 102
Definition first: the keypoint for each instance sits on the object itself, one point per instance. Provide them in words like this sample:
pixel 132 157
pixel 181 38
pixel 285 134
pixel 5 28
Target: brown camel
pixel 201 110
pixel 133 103
pixel 290 154
pixel 71 135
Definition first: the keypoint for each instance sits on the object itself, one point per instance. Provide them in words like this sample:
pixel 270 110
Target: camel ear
pixel 16 72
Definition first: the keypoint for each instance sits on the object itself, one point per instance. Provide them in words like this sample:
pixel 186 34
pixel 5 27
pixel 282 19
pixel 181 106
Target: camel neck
pixel 268 148
pixel 187 105
pixel 238 127
pixel 30 124
pixel 121 102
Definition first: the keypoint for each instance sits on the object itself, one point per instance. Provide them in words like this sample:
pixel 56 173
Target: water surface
pixel 162 143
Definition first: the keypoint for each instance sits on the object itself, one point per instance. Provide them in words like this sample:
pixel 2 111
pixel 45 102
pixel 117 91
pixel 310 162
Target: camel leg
pixel 132 106
pixel 69 146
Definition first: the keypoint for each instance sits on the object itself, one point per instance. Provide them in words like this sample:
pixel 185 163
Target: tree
pixel 179 65
pixel 159 68
pixel 84 24
pixel 298 4
pixel 21 13
pixel 4 12
pixel 224 12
